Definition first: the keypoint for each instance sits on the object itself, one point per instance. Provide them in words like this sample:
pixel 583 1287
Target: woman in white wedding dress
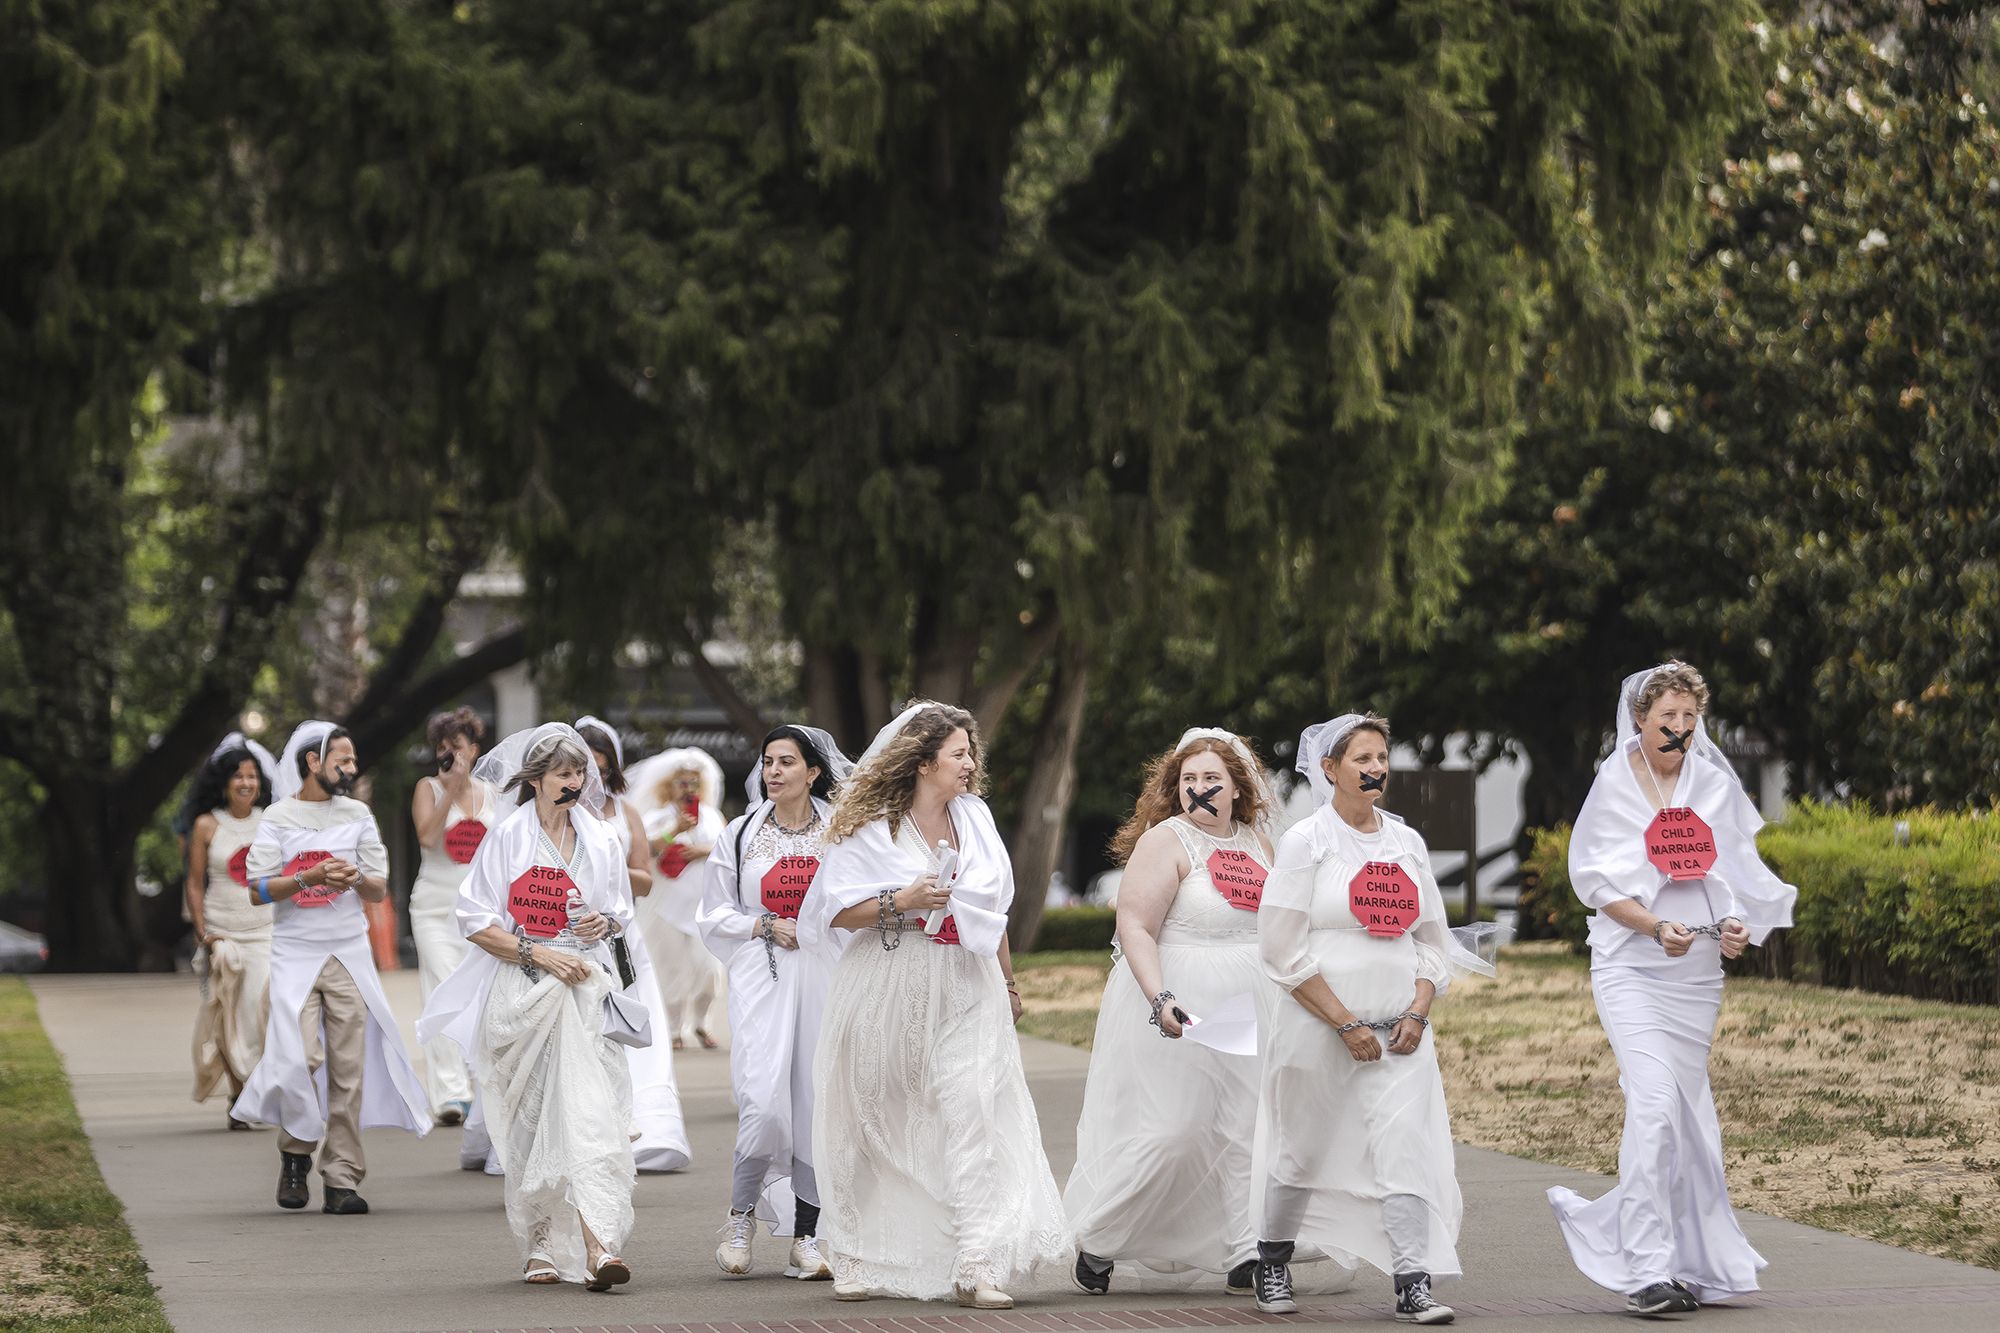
pixel 758 876
pixel 1663 923
pixel 545 891
pixel 925 1140
pixel 1354 1144
pixel 1161 1186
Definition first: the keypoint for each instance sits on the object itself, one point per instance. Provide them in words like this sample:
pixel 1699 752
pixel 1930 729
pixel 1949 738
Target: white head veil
pixel 617 744
pixel 837 764
pixel 1265 795
pixel 288 781
pixel 1701 747
pixel 1315 744
pixel 893 730
pixel 236 740
pixel 504 762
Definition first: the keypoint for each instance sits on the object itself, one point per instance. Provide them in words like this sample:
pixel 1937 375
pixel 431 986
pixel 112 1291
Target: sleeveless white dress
pixel 434 926
pixel 1162 1177
pixel 662 1144
pixel 236 979
pixel 690 977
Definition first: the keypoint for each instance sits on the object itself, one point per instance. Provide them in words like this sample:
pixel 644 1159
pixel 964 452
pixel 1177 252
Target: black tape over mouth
pixel 1374 781
pixel 1676 742
pixel 342 784
pixel 1206 800
pixel 569 794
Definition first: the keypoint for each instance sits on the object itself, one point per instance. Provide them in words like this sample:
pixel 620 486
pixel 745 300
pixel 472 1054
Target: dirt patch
pixel 27 1289
pixel 1069 986
pixel 1873 1115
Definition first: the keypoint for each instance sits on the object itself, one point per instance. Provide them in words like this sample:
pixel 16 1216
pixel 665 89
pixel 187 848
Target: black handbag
pixel 623 957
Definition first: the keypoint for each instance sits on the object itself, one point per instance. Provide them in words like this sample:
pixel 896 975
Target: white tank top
pixel 443 867
pixel 226 906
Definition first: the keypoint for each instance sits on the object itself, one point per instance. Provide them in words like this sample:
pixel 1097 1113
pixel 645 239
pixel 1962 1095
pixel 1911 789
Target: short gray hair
pixel 1674 675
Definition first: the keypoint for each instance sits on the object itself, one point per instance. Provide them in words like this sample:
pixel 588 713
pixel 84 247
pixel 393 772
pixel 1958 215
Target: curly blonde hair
pixel 1161 799
pixel 1670 676
pixel 886 786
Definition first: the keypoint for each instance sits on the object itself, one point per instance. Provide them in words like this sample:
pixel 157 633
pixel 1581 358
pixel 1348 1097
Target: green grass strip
pixel 68 1263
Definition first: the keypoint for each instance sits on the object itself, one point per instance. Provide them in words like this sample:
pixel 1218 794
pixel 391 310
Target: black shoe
pixel 1682 1287
pixel 1242 1279
pixel 234 1123
pixel 1661 1298
pixel 337 1200
pixel 1088 1280
pixel 293 1167
pixel 1414 1304
pixel 1274 1289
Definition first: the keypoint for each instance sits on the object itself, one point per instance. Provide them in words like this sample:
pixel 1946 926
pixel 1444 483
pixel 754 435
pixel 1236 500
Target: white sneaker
pixel 850 1291
pixel 805 1262
pixel 733 1255
pixel 984 1296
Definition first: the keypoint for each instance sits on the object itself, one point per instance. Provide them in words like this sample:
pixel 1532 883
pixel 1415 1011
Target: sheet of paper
pixel 947 872
pixel 1231 1027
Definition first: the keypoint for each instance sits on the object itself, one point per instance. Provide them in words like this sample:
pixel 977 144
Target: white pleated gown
pixel 1162 1177
pixel 925 1140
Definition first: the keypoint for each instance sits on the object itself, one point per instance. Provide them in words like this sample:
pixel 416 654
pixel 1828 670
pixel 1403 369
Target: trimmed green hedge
pixel 1087 928
pixel 1920 920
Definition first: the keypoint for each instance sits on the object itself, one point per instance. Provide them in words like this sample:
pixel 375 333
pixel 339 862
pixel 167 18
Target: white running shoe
pixel 805 1262
pixel 733 1255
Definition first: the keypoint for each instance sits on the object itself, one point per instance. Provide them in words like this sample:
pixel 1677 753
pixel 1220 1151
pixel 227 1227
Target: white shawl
pixel 870 862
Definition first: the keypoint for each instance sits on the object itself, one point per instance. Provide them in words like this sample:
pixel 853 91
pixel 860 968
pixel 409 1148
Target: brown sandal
pixel 610 1272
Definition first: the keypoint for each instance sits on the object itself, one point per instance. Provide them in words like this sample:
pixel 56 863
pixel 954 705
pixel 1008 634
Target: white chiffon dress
pixel 662 1144
pixel 776 999
pixel 1669 1216
pixel 1355 1160
pixel 1163 1146
pixel 434 926
pixel 236 968
pixel 926 1142
pixel 690 977
pixel 554 1092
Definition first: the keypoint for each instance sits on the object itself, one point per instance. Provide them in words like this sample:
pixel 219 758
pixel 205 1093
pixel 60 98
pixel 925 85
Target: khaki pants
pixel 337 999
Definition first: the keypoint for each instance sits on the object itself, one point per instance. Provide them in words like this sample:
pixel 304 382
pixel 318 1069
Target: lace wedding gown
pixel 926 1143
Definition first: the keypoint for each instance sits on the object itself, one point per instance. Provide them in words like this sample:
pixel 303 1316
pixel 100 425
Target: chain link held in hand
pixel 768 930
pixel 885 907
pixel 1159 1003
pixel 525 948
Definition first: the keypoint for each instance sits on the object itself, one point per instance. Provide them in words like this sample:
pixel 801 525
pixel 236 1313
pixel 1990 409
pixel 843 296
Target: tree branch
pixel 276 547
pixel 714 680
pixel 397 717
pixel 426 622
pixel 990 704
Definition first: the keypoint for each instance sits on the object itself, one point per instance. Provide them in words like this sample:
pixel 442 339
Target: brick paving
pixel 1244 1315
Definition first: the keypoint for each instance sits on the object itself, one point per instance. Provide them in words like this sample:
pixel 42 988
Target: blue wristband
pixel 264 888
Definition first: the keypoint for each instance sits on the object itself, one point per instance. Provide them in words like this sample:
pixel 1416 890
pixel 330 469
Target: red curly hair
pixel 1161 799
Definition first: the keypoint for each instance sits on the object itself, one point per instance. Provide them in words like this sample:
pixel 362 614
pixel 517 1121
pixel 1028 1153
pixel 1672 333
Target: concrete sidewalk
pixel 435 1254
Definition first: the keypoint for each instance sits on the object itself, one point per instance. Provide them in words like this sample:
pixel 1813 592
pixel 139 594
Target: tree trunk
pixel 1046 798
pixel 88 851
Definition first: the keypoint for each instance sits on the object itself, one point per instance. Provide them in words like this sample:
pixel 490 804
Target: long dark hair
pixel 211 785
pixel 602 744
pixel 823 784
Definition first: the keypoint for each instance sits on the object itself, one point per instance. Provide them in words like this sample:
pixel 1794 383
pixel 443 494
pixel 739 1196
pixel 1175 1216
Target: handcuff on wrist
pixel 885 907
pixel 1385 1025
pixel 1160 1003
pixel 524 949
pixel 766 929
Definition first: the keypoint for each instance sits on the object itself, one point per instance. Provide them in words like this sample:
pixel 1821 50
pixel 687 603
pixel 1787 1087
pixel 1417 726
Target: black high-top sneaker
pixel 1092 1275
pixel 1414 1304
pixel 1242 1279
pixel 293 1168
pixel 1274 1277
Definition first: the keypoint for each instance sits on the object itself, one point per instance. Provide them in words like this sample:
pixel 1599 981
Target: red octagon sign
pixel 539 900
pixel 1237 877
pixel 784 885
pixel 1680 844
pixel 462 839
pixel 318 895
pixel 1383 898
